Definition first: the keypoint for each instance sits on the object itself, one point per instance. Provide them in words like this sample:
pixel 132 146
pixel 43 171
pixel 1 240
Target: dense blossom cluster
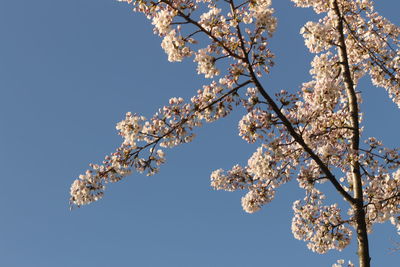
pixel 262 176
pixel 174 46
pixel 322 226
pixel 162 21
pixel 206 64
pixel 262 14
pixel 382 191
pixel 253 125
pixel 312 136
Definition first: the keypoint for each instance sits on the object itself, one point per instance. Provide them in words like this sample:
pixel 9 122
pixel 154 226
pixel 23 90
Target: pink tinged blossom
pixel 206 64
pixel 162 21
pixel 263 15
pixel 255 199
pixel 320 226
pixel 175 47
pixel 253 125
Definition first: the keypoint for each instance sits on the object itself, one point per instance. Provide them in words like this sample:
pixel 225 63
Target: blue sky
pixel 69 71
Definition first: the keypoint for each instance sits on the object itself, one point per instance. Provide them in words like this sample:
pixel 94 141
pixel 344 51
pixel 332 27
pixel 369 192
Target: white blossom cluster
pixel 86 189
pixel 321 226
pixel 205 98
pixel 382 189
pixel 319 36
pixel 206 64
pixel 262 13
pixel 340 263
pixel 214 22
pixel 236 178
pixel 261 177
pixel 319 6
pixel 162 21
pixel 254 124
pixel 255 199
pixel 174 46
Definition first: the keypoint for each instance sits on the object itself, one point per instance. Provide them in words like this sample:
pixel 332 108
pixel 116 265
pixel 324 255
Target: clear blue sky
pixel 69 70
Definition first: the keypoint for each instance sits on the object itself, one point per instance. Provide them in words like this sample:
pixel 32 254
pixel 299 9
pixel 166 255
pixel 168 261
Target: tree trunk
pixel 358 204
pixel 362 236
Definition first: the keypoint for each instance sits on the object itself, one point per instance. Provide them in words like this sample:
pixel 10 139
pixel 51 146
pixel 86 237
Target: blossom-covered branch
pixel 313 135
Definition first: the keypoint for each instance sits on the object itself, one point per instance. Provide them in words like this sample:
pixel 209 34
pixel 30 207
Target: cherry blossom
pixel 340 263
pixel 312 136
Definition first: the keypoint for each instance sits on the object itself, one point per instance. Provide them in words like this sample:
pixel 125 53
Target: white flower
pixel 162 21
pixel 175 47
pixel 206 64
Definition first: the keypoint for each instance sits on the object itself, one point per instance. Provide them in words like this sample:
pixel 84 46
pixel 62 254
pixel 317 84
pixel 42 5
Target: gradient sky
pixel 69 71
